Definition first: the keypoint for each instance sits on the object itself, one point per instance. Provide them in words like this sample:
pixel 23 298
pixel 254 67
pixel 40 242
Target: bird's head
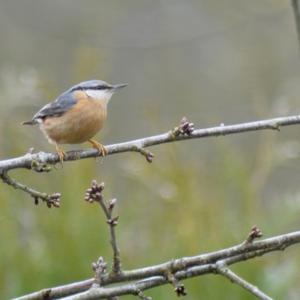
pixel 98 89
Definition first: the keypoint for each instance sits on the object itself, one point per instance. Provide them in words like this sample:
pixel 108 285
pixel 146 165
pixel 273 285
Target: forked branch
pixel 136 281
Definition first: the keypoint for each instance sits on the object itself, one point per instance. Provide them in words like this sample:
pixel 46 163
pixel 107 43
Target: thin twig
pixel 255 233
pixel 51 159
pixel 52 200
pixel 142 296
pixel 146 153
pixel 94 193
pixel 182 268
pixel 178 286
pixel 226 272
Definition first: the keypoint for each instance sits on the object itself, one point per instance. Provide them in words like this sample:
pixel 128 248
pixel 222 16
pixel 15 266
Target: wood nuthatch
pixel 76 115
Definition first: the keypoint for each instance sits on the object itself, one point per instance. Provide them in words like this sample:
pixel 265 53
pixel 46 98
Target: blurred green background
pixel 212 61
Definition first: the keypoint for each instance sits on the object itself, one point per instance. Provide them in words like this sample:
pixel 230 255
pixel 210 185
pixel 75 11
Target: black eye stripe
pixel 98 87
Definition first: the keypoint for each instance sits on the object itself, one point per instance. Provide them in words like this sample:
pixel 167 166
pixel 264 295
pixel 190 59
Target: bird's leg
pixel 102 150
pixel 61 153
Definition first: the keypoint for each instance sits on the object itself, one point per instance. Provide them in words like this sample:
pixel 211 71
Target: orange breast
pixel 78 124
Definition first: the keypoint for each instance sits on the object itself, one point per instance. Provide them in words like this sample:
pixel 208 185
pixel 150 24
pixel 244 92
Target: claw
pixel 102 150
pixel 61 153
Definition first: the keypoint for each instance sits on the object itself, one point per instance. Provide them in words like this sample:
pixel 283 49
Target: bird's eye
pixel 103 87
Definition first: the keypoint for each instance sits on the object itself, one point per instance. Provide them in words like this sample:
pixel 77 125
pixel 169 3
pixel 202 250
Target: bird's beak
pixel 119 86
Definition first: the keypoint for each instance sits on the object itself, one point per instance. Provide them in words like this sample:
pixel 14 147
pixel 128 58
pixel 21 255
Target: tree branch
pixel 226 272
pixel 151 282
pixel 41 158
pixel 182 268
pixel 168 272
pixel 52 200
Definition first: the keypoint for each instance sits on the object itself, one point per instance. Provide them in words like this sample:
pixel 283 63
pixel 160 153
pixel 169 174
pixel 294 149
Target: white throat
pixel 102 95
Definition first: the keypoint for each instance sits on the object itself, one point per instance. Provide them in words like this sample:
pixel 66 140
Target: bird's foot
pixel 96 145
pixel 61 154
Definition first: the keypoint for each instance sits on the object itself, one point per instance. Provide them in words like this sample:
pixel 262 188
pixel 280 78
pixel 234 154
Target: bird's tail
pixel 31 122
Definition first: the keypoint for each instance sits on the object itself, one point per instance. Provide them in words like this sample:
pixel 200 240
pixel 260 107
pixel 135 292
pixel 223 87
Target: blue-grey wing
pixel 56 108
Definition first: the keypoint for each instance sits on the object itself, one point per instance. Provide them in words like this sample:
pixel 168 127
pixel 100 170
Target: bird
pixel 76 115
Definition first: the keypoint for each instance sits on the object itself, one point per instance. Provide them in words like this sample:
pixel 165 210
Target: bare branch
pixel 94 193
pixel 27 160
pixel 52 200
pixel 226 272
pixel 168 272
pixel 132 288
pixel 59 291
pixel 182 268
